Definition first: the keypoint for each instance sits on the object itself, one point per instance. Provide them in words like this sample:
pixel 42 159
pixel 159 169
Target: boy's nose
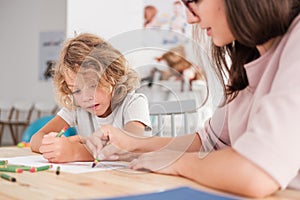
pixel 88 95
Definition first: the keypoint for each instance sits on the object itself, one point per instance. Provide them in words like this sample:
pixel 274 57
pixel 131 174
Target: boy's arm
pixel 54 125
pixel 135 127
pixel 81 153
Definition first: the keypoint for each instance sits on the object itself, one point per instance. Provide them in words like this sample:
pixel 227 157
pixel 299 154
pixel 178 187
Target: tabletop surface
pixel 100 184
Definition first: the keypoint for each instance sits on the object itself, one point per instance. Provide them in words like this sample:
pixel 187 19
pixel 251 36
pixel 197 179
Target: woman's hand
pixel 57 149
pixel 162 161
pixel 110 143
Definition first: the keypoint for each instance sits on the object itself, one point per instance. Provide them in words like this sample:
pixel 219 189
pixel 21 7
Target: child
pixel 250 146
pixel 94 86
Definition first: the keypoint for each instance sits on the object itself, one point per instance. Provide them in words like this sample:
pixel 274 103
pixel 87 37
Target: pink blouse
pixel 262 123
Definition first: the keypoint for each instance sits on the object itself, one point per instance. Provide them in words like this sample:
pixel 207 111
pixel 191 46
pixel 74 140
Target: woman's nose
pixel 191 17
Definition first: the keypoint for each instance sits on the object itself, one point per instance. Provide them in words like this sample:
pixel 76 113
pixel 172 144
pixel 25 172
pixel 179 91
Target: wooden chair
pixel 45 109
pixel 19 117
pixel 6 110
pixel 163 110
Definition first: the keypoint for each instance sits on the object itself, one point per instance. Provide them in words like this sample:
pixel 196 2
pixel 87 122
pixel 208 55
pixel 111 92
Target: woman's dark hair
pixel 252 23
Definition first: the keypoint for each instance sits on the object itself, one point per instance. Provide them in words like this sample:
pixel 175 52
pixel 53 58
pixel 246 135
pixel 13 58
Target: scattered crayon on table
pixel 57 170
pixel 23 144
pixel 23 167
pixel 7 177
pixel 3 162
pixel 10 169
pixel 42 168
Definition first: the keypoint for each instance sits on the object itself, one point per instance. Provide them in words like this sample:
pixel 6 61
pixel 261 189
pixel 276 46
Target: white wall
pixel 21 22
pixel 104 18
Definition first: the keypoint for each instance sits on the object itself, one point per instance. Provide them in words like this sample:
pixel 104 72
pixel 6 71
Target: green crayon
pixel 62 131
pixel 23 167
pixel 3 162
pixel 42 168
pixel 7 177
pixel 11 169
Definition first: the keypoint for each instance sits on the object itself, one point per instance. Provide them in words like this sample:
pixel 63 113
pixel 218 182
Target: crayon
pixel 95 162
pixel 57 170
pixel 7 177
pixel 23 167
pixel 62 131
pixel 42 168
pixel 96 159
pixel 11 169
pixel 3 162
pixel 23 144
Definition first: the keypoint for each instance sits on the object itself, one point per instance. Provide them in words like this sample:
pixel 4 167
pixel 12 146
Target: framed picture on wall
pixel 167 15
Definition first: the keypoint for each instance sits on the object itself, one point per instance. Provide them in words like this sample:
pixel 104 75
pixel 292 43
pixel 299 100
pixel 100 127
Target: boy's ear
pixel 158 59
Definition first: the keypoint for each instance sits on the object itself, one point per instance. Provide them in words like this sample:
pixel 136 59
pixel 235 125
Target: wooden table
pixel 101 184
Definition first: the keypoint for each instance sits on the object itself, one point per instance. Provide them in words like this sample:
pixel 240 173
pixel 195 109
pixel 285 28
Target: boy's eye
pixel 93 86
pixel 76 92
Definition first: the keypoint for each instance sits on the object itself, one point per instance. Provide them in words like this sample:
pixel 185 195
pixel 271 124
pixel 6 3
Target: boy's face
pixel 87 93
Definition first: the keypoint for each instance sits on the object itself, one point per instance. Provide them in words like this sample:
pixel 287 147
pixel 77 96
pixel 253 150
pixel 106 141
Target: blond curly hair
pixel 88 52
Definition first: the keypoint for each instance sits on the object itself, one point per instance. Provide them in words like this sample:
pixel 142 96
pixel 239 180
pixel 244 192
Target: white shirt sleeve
pixel 67 115
pixel 137 109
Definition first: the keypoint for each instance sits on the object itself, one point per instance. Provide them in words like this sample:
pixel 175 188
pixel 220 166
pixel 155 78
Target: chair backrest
pixel 45 108
pixel 6 110
pixel 170 109
pixel 22 112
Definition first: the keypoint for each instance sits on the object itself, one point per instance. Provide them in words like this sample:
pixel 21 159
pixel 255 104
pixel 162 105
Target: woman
pixel 249 146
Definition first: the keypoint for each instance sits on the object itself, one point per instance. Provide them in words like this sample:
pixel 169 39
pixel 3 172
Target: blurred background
pixel 32 32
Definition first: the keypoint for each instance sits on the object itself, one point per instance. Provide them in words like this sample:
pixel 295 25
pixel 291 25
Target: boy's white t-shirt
pixel 133 108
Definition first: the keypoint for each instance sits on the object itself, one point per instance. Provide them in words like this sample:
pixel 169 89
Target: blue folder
pixel 182 193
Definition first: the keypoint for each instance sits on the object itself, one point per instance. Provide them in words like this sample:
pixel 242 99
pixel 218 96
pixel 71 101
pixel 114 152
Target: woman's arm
pixel 224 170
pixel 228 170
pixel 54 125
pixel 125 141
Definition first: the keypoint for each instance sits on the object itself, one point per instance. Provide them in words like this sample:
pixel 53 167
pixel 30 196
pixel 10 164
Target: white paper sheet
pixel 72 167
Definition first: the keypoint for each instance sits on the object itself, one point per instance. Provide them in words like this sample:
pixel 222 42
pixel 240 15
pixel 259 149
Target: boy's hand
pixel 57 149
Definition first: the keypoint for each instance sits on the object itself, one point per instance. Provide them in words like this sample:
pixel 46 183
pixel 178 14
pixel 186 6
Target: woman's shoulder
pixel 295 23
pixel 289 41
pixel 294 29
